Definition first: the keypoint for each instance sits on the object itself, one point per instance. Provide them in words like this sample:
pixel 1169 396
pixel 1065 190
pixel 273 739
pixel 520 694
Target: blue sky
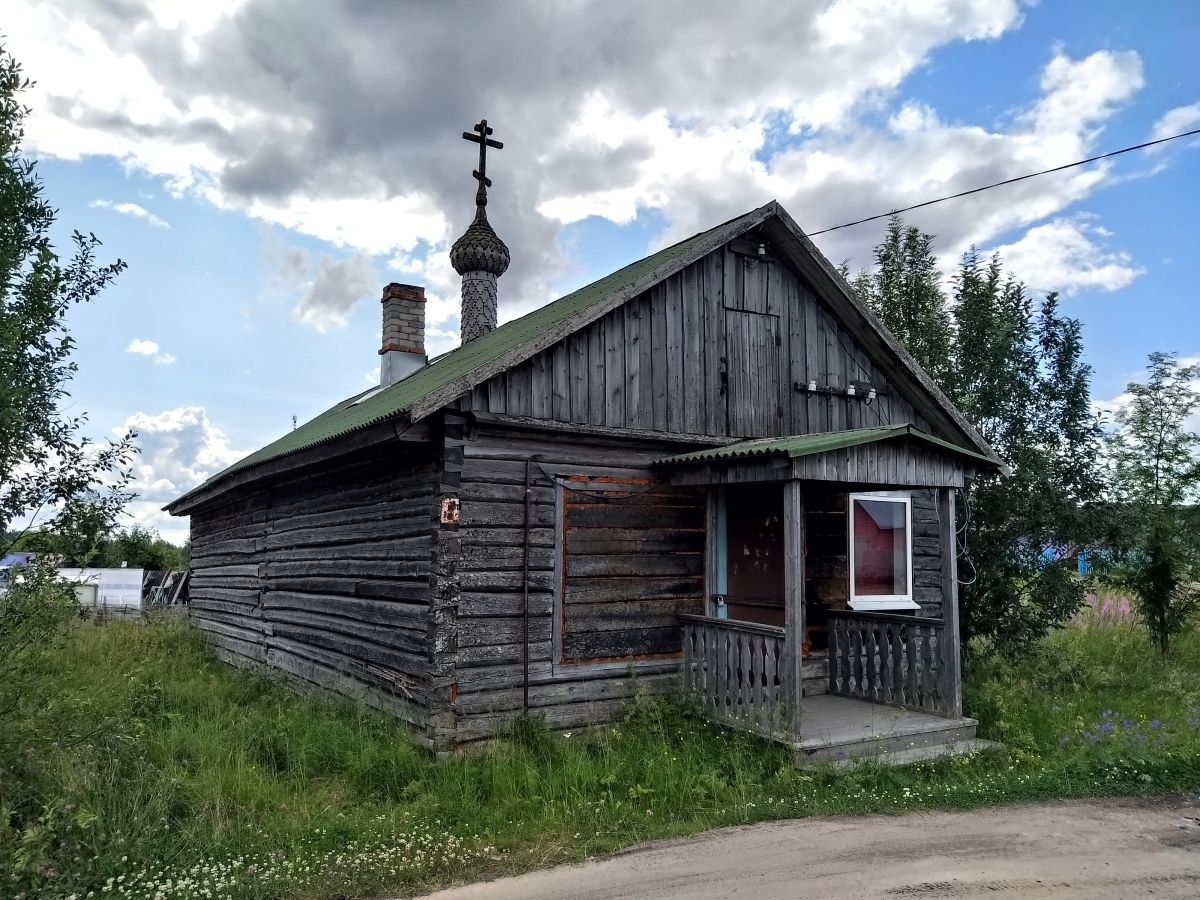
pixel 264 174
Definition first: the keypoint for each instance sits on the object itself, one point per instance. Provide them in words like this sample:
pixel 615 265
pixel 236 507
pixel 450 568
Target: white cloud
pixel 180 448
pixel 328 287
pixel 300 133
pixel 1066 255
pixel 1080 94
pixel 674 108
pixel 142 347
pixel 131 209
pixel 1176 121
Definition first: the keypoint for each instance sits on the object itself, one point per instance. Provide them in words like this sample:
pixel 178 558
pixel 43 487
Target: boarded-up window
pixel 753 373
pixel 632 561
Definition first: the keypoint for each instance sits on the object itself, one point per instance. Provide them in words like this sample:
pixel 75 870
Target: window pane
pixel 880 548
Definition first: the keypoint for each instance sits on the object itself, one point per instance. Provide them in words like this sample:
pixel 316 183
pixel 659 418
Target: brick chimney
pixel 403 350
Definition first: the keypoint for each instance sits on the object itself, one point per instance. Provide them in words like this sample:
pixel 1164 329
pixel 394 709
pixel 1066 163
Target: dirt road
pixel 1110 849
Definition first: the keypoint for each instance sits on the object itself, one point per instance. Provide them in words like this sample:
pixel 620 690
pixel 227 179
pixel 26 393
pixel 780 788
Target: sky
pixel 265 167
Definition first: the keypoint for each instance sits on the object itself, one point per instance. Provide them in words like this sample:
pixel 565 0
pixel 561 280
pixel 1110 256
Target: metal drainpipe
pixel 525 593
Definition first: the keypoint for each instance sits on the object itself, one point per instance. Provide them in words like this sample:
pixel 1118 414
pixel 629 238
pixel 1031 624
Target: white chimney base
pixel 397 364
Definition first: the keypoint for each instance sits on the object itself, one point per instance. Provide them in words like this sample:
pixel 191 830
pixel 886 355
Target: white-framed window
pixel 880 551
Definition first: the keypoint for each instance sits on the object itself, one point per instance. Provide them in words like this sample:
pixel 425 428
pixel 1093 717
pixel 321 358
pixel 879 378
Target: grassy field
pixel 141 767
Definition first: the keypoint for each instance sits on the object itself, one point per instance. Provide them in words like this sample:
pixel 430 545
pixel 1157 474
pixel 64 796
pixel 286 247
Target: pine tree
pixel 1018 376
pixel 1015 370
pixel 904 291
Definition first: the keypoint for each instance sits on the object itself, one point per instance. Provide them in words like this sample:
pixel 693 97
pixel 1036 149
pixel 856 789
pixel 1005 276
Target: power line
pixel 997 184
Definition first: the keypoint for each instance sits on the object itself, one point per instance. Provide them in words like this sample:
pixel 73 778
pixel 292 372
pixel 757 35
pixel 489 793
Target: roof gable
pixel 792 244
pixel 453 374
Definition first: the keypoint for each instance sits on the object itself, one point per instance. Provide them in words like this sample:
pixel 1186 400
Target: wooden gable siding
pixel 324 576
pixel 661 361
pixel 489 626
pixel 872 466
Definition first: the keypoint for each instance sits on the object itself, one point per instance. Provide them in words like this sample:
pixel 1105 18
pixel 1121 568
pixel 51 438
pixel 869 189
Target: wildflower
pixel 1063 739
pixel 1155 724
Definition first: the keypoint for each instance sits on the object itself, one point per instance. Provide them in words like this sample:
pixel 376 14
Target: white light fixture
pixel 871 395
pixel 812 387
pixel 850 392
pixel 762 250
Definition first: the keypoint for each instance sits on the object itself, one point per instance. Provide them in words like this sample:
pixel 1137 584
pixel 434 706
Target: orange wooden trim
pixel 609 479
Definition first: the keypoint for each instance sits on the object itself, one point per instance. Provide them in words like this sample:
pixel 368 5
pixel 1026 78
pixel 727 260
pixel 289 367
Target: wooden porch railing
pixel 888 658
pixel 737 670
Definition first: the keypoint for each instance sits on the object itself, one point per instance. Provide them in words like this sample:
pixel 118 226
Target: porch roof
pixel 798 445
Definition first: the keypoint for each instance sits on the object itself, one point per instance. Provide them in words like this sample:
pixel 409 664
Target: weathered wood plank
pixel 631 346
pixel 614 369
pixel 673 358
pixel 793 579
pixel 650 565
pixel 713 312
pixel 624 590
pixel 952 641
pixel 692 359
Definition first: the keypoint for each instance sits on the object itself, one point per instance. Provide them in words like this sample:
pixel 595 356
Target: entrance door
pixel 752 374
pixel 754 553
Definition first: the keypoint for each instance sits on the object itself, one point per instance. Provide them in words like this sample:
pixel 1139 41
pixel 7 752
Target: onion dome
pixel 480 248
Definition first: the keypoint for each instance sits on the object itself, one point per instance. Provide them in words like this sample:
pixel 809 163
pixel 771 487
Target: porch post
pixel 793 593
pixel 951 651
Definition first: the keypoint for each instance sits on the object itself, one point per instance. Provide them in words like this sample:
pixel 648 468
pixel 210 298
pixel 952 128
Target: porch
pixel 831 620
pixel 885 692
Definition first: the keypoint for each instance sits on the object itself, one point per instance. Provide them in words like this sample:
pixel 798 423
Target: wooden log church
pixel 711 471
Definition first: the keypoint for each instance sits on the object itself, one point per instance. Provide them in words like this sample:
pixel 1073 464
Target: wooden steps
pixel 915 755
pixel 838 730
pixel 815 674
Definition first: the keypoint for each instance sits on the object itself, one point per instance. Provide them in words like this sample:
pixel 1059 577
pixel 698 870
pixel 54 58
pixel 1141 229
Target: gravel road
pixel 1098 850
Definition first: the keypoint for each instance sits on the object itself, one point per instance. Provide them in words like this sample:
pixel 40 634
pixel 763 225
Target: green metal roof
pixel 808 444
pixel 373 406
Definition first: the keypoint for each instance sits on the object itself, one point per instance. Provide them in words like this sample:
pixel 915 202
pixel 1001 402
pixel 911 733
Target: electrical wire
pixel 961 544
pixel 988 187
pixel 1007 181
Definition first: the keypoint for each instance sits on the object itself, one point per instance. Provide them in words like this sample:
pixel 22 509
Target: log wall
pixel 325 576
pixel 632 563
pixel 489 671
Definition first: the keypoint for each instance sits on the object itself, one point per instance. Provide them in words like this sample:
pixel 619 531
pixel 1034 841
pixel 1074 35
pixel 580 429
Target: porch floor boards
pixel 837 728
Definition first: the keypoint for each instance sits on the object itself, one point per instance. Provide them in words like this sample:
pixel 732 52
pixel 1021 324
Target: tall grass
pixel 182 775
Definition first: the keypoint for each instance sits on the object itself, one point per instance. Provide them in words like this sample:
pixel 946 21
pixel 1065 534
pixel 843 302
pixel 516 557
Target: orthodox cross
pixel 480 137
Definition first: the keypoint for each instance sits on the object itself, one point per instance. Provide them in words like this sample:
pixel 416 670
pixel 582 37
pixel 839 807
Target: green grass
pixel 158 764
